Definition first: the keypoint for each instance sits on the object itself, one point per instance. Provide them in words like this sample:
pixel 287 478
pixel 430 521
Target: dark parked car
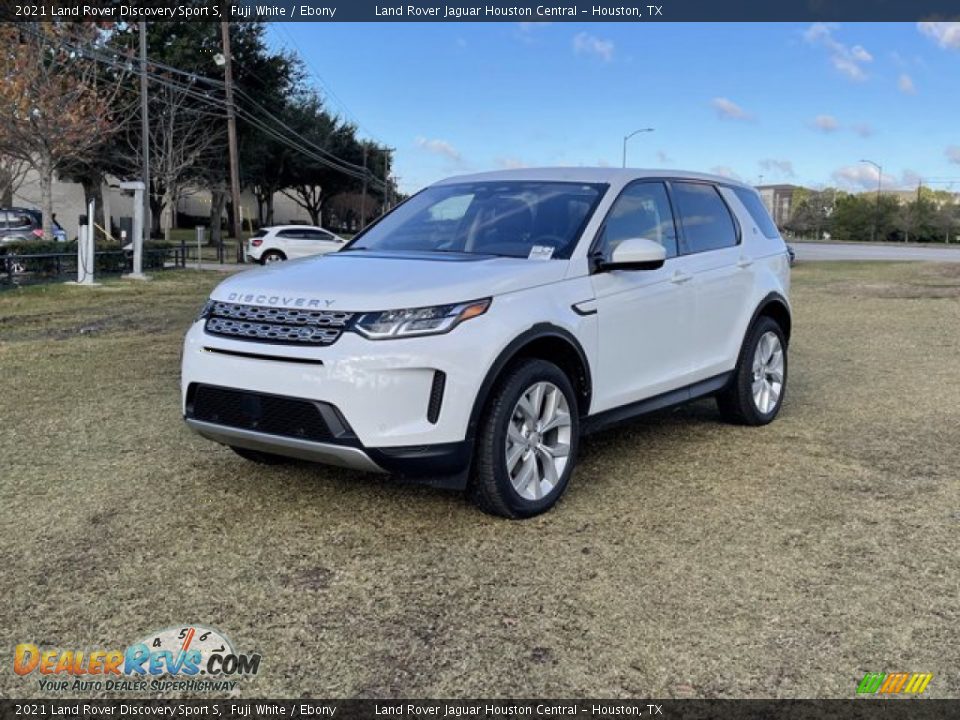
pixel 25 224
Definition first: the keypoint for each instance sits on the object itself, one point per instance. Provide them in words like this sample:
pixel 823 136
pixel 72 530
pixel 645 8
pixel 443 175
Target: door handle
pixel 678 277
pixel 744 262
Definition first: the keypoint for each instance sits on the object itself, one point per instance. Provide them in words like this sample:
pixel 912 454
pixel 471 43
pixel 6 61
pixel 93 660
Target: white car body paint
pixel 642 333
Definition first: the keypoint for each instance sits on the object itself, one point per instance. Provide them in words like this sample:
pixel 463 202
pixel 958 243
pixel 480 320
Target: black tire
pixel 490 487
pixel 261 458
pixel 736 401
pixel 272 256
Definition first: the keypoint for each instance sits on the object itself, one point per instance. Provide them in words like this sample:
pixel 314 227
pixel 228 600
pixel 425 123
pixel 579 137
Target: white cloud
pixel 945 34
pixel 439 147
pixel 861 177
pixel 825 123
pixel 510 163
pixel 586 44
pixel 784 168
pixel 905 84
pixel 953 154
pixel 725 171
pixel 728 109
pixel 864 130
pixel 847 60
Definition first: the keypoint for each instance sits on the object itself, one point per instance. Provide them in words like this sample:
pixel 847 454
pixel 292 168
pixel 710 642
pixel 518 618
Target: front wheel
pixel 527 442
pixel 755 393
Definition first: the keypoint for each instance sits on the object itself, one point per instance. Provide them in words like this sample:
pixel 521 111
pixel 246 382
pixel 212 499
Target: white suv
pixel 287 242
pixel 473 334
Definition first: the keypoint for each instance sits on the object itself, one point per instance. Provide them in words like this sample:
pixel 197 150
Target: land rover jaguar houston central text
pixel 470 336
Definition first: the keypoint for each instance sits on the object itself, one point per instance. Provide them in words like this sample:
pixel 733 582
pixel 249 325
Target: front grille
pixel 295 326
pixel 272 414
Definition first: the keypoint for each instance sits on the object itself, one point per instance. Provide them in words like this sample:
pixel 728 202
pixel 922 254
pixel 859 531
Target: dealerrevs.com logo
pixel 190 658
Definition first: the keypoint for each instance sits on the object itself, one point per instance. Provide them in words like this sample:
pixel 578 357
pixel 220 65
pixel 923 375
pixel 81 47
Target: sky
pixel 770 102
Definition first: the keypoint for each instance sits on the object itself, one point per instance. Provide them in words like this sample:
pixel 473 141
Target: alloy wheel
pixel 767 379
pixel 538 440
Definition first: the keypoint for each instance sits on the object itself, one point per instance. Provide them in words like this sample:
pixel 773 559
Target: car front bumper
pixel 376 395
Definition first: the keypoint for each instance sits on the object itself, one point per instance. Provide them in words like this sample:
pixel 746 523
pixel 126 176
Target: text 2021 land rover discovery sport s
pixel 470 336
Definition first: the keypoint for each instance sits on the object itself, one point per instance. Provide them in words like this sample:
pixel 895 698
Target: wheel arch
pixel 547 342
pixel 775 306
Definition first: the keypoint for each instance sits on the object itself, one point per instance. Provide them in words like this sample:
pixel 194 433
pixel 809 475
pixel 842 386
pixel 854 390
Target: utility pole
pixel 237 230
pixel 139 243
pixel 363 197
pixel 386 180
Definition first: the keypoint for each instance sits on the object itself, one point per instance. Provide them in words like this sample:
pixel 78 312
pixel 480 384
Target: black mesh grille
pixel 270 414
pixel 436 396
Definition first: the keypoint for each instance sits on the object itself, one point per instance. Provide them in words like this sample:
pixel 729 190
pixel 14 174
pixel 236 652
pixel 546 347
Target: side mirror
pixel 636 254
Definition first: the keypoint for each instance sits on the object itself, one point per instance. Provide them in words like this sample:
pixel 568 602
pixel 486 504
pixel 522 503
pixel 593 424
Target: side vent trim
pixel 436 396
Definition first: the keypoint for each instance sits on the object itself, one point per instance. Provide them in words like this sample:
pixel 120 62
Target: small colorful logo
pixel 894 683
pixel 191 658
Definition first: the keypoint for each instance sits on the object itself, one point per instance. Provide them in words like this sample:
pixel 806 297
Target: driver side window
pixel 642 211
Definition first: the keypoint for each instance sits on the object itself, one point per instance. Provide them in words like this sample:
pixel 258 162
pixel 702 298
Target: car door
pixel 722 275
pixel 291 242
pixel 319 242
pixel 644 316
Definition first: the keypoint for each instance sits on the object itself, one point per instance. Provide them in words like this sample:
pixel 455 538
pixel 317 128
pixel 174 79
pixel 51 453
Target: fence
pixel 18 269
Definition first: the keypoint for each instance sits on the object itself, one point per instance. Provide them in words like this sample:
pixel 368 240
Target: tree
pixel 811 213
pixel 335 161
pixel 12 172
pixel 56 104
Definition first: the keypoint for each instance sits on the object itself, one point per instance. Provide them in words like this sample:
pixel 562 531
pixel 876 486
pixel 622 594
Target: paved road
pixel 865 251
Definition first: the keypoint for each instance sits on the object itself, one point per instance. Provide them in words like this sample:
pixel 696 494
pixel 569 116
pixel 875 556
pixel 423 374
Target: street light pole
pixel 627 137
pixel 876 217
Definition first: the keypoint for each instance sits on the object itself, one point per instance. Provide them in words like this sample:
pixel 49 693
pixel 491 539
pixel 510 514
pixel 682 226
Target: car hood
pixel 362 281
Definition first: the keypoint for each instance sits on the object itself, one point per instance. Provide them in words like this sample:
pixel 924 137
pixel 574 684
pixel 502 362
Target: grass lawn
pixel 689 558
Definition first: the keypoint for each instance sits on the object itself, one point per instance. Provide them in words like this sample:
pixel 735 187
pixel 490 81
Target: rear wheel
pixel 755 393
pixel 527 443
pixel 259 457
pixel 272 256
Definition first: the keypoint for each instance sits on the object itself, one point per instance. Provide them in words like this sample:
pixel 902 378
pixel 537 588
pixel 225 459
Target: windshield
pixel 509 219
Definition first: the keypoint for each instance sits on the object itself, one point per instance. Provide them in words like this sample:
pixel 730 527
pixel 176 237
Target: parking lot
pixel 688 558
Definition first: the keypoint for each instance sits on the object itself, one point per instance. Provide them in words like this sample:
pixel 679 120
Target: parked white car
pixel 471 336
pixel 287 242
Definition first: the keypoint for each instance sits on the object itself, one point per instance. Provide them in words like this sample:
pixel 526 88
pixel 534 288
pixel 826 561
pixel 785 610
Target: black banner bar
pixel 460 11
pixel 872 709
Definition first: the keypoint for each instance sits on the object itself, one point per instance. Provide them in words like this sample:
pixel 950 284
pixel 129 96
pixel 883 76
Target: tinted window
pixel 19 220
pixel 290 234
pixel 641 211
pixel 707 223
pixel 316 235
pixel 506 218
pixel 754 205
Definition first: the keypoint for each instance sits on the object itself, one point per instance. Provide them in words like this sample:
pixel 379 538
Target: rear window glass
pixel 758 211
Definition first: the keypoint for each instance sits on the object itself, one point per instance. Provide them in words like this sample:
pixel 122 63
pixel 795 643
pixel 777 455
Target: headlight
pixel 205 311
pixel 418 321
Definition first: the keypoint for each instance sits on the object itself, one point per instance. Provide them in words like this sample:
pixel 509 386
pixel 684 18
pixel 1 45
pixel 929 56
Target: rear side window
pixel 758 211
pixel 706 220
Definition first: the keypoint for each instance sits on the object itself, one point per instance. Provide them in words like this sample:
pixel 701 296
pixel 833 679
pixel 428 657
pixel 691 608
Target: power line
pixel 302 144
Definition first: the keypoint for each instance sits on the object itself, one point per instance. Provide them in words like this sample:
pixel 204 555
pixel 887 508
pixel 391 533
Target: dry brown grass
pixel 688 559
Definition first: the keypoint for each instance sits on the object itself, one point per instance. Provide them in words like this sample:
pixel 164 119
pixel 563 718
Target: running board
pixel 615 416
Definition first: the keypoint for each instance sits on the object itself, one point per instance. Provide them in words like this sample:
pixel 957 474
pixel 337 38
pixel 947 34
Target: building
pixel 68 205
pixel 779 201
